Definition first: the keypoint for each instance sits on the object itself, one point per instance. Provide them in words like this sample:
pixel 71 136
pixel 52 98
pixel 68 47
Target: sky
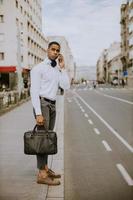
pixel 88 25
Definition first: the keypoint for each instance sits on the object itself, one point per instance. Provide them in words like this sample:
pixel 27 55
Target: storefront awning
pixel 7 69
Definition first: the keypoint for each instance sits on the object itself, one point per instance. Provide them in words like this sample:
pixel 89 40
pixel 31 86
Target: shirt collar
pixel 47 61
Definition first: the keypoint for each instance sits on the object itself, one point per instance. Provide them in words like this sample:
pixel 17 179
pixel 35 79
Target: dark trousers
pixel 49 114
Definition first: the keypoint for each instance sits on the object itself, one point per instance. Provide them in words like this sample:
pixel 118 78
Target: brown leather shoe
pixel 53 174
pixel 47 181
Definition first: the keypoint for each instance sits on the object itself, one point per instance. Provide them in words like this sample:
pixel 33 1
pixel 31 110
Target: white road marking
pixel 107 125
pixel 90 121
pixel 97 131
pixel 119 99
pixel 125 174
pixel 108 148
pixel 83 110
pixel 85 115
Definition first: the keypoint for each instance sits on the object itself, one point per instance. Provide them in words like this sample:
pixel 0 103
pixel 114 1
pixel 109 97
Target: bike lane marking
pixel 123 141
pixel 125 174
pixel 106 145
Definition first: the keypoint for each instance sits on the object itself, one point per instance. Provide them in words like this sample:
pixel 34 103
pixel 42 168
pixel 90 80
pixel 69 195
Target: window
pixel 16 4
pixel 1 18
pixel 21 9
pixel 1 37
pixel 1 55
pixel 22 58
pixel 21 26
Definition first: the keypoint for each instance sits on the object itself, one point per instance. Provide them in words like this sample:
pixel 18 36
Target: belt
pixel 48 100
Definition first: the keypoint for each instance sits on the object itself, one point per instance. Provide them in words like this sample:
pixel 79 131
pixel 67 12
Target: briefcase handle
pixel 35 127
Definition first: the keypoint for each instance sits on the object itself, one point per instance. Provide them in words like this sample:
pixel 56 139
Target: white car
pixel 115 82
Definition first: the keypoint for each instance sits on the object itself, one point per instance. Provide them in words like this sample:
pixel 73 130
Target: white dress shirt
pixel 45 81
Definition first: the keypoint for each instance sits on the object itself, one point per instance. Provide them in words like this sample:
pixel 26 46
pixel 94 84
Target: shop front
pixel 8 78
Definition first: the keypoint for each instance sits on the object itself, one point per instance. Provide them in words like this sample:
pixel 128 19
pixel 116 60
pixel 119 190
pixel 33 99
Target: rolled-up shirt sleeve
pixel 64 81
pixel 34 90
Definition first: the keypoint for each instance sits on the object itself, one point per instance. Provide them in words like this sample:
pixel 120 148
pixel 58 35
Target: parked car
pixel 114 81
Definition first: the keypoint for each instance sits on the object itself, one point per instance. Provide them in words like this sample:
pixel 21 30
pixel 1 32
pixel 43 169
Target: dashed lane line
pixel 125 174
pixel 123 141
pixel 86 115
pixel 97 131
pixel 106 145
pixel 90 121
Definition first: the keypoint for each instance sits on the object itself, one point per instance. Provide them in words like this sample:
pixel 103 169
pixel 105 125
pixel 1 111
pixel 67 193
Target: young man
pixel 46 77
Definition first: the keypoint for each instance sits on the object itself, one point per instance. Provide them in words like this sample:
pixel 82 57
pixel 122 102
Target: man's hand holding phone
pixel 61 62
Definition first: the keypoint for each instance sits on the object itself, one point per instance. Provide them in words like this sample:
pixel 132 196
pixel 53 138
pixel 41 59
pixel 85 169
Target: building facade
pixel 101 67
pixel 22 43
pixel 114 64
pixel 127 40
pixel 109 64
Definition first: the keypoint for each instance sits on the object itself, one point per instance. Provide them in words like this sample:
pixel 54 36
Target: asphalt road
pixel 99 144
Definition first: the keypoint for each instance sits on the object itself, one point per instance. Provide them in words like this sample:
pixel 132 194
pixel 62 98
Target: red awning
pixel 7 68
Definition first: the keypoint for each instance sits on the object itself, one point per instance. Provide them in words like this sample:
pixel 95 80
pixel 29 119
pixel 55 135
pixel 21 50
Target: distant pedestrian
pixel 46 77
pixel 123 83
pixel 94 84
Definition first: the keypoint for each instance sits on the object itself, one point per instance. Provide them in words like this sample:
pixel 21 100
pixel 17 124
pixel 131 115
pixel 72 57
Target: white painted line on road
pixel 86 115
pixel 107 125
pixel 119 99
pixel 90 121
pixel 125 174
pixel 101 88
pixel 83 110
pixel 97 131
pixel 108 148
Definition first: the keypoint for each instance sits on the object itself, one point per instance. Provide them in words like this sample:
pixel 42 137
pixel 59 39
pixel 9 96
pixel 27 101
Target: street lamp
pixel 19 67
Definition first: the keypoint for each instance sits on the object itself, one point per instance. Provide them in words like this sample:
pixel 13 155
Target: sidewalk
pixel 17 170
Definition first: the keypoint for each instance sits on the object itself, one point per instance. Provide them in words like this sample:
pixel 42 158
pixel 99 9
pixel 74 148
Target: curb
pixel 57 161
